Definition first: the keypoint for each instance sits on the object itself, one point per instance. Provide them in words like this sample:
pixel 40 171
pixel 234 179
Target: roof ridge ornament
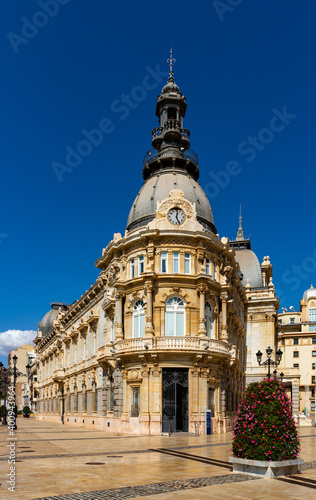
pixel 171 62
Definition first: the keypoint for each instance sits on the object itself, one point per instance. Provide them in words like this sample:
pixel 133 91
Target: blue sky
pixel 238 66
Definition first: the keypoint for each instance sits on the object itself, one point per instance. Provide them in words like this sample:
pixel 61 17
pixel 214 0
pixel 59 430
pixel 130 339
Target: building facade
pixel 171 326
pixel 297 338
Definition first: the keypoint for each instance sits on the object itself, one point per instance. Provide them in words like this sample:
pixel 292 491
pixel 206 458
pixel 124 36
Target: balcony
pixel 177 344
pixel 59 375
pixel 153 155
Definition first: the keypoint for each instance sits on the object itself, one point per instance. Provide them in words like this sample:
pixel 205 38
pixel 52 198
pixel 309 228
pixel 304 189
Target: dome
pixel 157 188
pixel 46 324
pixel 310 293
pixel 250 267
pixel 170 87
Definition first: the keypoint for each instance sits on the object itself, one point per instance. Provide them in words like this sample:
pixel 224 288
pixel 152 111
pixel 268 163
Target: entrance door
pixel 174 399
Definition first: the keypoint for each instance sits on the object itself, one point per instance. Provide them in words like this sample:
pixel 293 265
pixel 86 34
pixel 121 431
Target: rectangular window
pixel 175 263
pixel 112 329
pixel 169 323
pixel 296 365
pixel 314 340
pixel 292 321
pixel 215 271
pixel 187 263
pixel 140 264
pixel 142 325
pixel 136 326
pixel 208 266
pixel 164 261
pixel 312 328
pixel 133 268
pixel 313 379
pixel 180 324
pixel 296 354
pixel 314 354
pixel 313 366
pixel 295 341
pixel 312 314
pixel 135 401
pixel 313 405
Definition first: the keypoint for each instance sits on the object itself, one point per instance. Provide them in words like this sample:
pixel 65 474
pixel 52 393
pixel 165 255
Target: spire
pixel 170 139
pixel 171 61
pixel 240 233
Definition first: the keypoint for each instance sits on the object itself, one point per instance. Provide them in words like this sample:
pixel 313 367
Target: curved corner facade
pixel 169 330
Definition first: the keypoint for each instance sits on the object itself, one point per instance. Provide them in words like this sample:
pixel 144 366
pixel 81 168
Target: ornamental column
pixel 119 316
pixel 149 330
pixel 224 333
pixel 202 330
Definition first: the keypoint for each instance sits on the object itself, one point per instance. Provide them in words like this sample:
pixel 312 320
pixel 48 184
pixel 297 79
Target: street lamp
pixel 269 361
pixel 28 371
pixel 15 359
pixel 4 372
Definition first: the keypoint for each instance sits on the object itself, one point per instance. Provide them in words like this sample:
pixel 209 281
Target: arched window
pixel 209 319
pixel 175 317
pixel 138 319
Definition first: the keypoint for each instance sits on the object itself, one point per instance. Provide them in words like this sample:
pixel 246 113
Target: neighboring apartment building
pixel 161 336
pixel 25 355
pixel 297 338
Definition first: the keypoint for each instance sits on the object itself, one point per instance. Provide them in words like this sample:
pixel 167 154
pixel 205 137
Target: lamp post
pixel 15 359
pixel 3 374
pixel 62 404
pixel 16 373
pixel 269 361
pixel 28 371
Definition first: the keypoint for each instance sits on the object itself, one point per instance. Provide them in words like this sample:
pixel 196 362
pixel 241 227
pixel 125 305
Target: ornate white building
pixel 171 326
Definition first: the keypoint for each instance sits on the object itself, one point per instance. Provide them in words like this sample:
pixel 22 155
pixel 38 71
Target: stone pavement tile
pixel 51 475
pixel 261 489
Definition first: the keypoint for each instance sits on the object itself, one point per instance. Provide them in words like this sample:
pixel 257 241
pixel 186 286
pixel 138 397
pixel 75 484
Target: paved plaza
pixel 64 462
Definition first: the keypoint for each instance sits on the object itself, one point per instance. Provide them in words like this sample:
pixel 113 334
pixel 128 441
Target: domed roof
pixel 157 188
pixel 170 86
pixel 46 324
pixel 250 267
pixel 308 294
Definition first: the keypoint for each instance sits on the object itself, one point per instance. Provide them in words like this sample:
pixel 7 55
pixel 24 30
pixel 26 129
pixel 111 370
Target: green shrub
pixel 264 428
pixel 26 410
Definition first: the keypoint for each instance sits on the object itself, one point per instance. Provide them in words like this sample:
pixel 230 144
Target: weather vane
pixel 171 62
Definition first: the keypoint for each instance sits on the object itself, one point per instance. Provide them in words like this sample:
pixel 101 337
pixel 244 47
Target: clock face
pixel 176 216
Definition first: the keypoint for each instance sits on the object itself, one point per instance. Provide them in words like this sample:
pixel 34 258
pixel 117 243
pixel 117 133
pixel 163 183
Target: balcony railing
pixel 153 155
pixel 171 344
pixel 59 375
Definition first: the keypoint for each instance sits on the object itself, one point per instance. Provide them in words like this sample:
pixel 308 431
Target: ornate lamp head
pixel 259 356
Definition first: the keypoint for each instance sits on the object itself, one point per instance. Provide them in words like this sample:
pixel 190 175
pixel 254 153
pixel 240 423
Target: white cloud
pixel 12 339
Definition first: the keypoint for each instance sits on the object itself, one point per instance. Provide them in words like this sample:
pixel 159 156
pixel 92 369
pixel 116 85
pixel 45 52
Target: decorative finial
pixel 171 62
pixel 240 232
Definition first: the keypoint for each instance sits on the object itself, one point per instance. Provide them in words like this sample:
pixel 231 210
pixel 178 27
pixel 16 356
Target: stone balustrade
pixel 59 375
pixel 171 344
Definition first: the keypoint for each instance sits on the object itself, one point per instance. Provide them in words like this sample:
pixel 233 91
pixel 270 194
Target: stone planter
pixel 265 469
